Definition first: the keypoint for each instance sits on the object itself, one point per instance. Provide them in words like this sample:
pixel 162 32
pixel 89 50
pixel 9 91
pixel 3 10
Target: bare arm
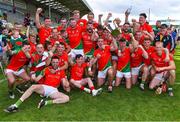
pixel 107 19
pixel 65 66
pixel 145 54
pixel 36 79
pixel 27 31
pixel 149 34
pixel 99 19
pixel 38 25
pixel 48 61
pixel 113 45
pixel 94 36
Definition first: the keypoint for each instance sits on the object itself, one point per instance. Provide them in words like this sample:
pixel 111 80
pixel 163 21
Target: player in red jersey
pixel 56 37
pixel 125 32
pixel 75 38
pixel 90 18
pixel 144 26
pixel 77 72
pixel 150 50
pixel 89 38
pixel 63 64
pixel 44 30
pixel 48 88
pixel 63 25
pixel 32 41
pixel 102 56
pixel 161 68
pixel 123 66
pixel 137 55
pixel 80 22
pixel 15 67
pixel 38 61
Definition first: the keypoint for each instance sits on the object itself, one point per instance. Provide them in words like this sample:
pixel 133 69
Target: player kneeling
pixel 77 72
pixel 123 67
pixel 52 79
pixel 162 69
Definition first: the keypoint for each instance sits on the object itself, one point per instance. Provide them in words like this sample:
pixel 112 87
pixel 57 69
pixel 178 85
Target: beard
pixel 90 30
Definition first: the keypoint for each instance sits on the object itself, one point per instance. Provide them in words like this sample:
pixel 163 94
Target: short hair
pixel 61 43
pixel 122 40
pixel 71 19
pixel 46 18
pixel 63 18
pixel 147 38
pixel 55 57
pixel 163 26
pixel 78 56
pixel 91 13
pixel 76 11
pixel 126 23
pixel 158 42
pixel 143 14
pixel 17 23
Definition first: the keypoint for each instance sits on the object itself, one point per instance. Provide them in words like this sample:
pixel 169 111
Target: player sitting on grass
pixel 52 79
pixel 77 72
pixel 162 68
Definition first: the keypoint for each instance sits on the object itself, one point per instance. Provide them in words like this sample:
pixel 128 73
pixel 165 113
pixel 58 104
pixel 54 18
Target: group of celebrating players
pixel 79 53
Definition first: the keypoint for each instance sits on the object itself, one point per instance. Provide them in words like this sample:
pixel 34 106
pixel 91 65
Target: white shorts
pixel 135 70
pixel 114 58
pixel 123 74
pixel 102 74
pixel 49 90
pixel 74 52
pixel 160 76
pixel 17 73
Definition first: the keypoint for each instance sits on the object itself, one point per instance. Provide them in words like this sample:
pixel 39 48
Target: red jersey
pixel 105 60
pixel 149 51
pixel 124 61
pixel 62 58
pixel 52 79
pixel 75 36
pixel 136 58
pixel 126 36
pixel 59 28
pixel 18 61
pixel 77 71
pixel 33 47
pixel 106 41
pixel 59 39
pixel 158 61
pixel 146 27
pixel 88 44
pixel 36 61
pixel 82 23
pixel 141 41
pixel 43 34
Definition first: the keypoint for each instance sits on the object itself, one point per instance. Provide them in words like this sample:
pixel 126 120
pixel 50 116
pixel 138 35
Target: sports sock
pixel 92 88
pixel 18 103
pixel 48 102
pixel 143 82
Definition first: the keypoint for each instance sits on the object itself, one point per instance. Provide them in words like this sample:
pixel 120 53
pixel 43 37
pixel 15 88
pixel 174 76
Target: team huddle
pixel 82 54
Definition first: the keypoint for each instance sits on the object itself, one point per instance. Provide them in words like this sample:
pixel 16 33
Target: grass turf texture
pixel 122 104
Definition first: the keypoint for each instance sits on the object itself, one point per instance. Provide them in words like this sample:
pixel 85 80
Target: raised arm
pixel 37 19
